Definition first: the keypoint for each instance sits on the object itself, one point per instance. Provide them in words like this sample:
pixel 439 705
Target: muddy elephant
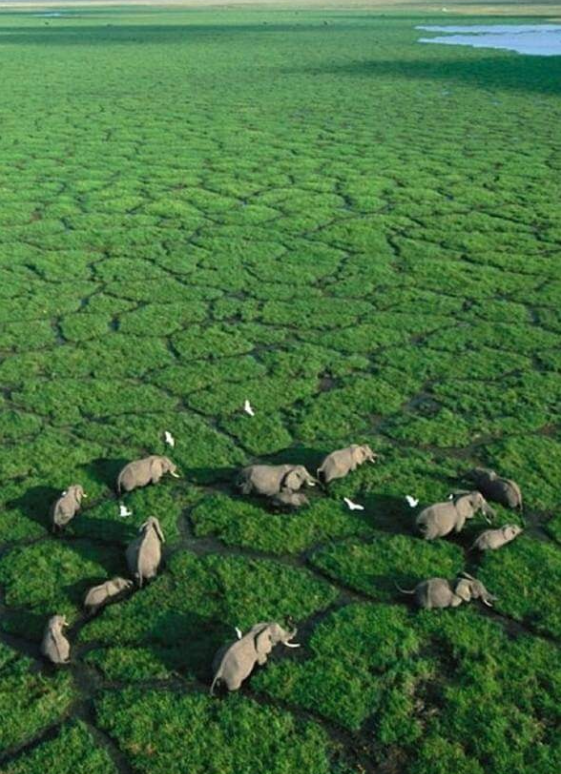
pixel 270 480
pixel 67 506
pixel 146 471
pixel 235 662
pixel 99 596
pixel 144 553
pixel 492 539
pixel 340 463
pixel 442 518
pixel 500 490
pixel 55 646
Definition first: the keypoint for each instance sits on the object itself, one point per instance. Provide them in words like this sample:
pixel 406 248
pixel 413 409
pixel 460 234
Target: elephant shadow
pixel 105 530
pixel 25 625
pixel 211 475
pixel 311 459
pixel 37 503
pixel 186 643
pixel 105 471
pixel 388 513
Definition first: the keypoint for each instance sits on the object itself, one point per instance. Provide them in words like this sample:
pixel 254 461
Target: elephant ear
pixel 263 642
pixel 292 480
pixel 463 590
pixel 157 466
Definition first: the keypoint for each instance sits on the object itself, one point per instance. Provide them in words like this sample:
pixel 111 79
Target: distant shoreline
pixel 548 8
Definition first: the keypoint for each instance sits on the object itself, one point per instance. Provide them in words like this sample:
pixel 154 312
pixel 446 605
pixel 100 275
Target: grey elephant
pixel 67 506
pixel 501 490
pixel 440 519
pixel 467 587
pixel 434 593
pixel 440 593
pixel 99 596
pixel 235 662
pixel 289 500
pixel 55 646
pixel 146 471
pixel 492 539
pixel 340 463
pixel 270 480
pixel 144 553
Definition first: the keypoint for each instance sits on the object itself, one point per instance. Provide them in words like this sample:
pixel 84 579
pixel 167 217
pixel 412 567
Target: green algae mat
pixel 360 235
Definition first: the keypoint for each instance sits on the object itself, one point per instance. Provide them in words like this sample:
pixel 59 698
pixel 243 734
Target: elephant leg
pixel 234 684
pixel 156 478
pixel 262 659
pixel 460 523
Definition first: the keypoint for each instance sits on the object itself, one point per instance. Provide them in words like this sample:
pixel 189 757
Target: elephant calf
pixel 235 662
pixel 67 506
pixel 440 593
pixel 99 596
pixel 289 500
pixel 270 480
pixel 440 519
pixel 492 539
pixel 340 463
pixel 144 554
pixel 55 646
pixel 500 490
pixel 146 471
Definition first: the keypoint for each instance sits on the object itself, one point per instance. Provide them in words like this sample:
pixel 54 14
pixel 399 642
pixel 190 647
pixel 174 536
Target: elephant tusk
pixel 175 475
pixel 292 644
pixel 486 602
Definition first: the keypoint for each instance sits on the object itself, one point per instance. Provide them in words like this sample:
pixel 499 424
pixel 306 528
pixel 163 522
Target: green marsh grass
pixel 360 235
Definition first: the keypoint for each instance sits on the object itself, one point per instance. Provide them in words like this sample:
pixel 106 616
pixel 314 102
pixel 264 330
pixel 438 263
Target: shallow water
pixel 532 39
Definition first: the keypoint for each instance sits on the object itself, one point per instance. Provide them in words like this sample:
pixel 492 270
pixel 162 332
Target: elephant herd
pixel 282 485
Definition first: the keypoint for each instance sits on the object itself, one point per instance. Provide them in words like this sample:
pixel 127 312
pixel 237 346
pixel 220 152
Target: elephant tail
pixel 403 591
pixel 217 678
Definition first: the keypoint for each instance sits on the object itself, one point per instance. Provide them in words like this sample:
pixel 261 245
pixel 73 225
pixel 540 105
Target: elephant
pixel 270 480
pixel 440 593
pixel 144 553
pixel 146 471
pixel 493 487
pixel 467 587
pixel 289 500
pixel 340 463
pixel 99 596
pixel 440 519
pixel 67 506
pixel 433 593
pixel 492 539
pixel 235 661
pixel 55 646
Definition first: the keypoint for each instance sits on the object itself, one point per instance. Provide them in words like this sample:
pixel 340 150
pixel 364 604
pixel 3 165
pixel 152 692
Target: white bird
pixel 412 501
pixel 169 439
pixel 239 633
pixel 353 506
pixel 124 511
pixel 248 408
